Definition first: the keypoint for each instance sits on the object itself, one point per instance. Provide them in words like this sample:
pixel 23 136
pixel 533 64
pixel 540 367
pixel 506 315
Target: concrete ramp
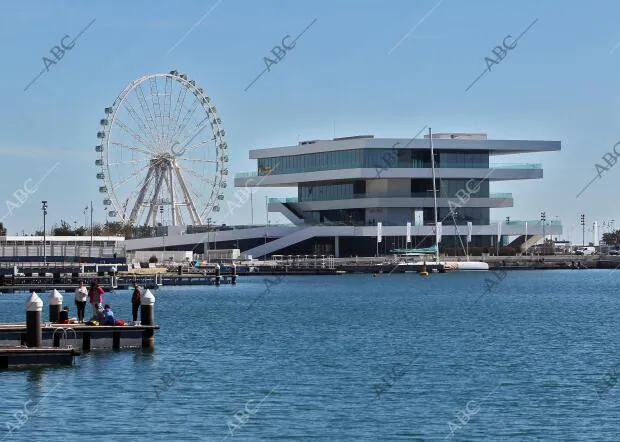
pixel 280 243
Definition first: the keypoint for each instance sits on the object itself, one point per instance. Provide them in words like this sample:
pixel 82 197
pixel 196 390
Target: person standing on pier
pixel 80 300
pixel 135 301
pixel 96 297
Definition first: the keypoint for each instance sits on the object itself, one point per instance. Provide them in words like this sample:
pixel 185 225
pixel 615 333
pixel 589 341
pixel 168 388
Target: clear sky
pixel 364 67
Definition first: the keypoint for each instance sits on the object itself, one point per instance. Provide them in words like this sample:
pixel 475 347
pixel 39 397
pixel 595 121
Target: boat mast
pixel 430 137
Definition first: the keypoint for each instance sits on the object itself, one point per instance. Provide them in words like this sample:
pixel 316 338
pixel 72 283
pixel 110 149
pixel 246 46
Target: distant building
pixel 346 186
pixel 62 249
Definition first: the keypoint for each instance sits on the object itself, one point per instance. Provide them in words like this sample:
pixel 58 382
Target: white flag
pixel 408 232
pixel 438 231
pixel 418 219
pixel 379 225
pixel 469 230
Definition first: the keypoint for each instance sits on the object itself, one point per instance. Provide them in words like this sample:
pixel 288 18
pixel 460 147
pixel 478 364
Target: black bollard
pixel 233 278
pixel 147 317
pixel 55 302
pixel 218 277
pixel 34 306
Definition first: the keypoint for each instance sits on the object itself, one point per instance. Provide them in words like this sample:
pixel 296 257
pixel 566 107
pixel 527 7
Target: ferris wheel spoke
pixel 134 175
pixel 198 160
pixel 141 123
pixel 167 106
pixel 131 147
pixel 193 173
pixel 131 132
pixel 186 119
pixel 146 110
pixel 156 105
pixel 201 128
pixel 177 112
pixel 120 163
pixel 195 146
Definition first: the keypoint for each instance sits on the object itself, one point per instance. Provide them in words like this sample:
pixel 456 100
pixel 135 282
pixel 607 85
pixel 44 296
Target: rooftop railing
pixel 532 222
pixel 515 166
pixel 531 166
pixel 293 199
pixel 428 194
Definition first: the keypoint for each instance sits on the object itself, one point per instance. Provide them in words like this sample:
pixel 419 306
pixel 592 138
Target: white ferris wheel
pixel 162 154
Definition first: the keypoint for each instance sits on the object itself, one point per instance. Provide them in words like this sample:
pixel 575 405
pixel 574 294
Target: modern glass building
pixel 346 186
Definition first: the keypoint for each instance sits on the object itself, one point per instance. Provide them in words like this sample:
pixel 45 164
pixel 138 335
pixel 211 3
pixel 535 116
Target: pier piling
pixel 147 317
pixel 233 277
pixel 218 275
pixel 34 306
pixel 55 302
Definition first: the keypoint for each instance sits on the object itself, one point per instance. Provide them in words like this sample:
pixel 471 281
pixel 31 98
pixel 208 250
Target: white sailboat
pixel 448 265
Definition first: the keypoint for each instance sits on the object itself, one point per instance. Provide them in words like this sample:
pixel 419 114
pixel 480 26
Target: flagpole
pixel 430 137
pixel 526 238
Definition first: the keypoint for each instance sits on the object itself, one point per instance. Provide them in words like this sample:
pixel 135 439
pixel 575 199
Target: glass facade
pixel 335 217
pixel 477 215
pixel 464 159
pixel 326 192
pixel 449 188
pixel 420 188
pixel 371 158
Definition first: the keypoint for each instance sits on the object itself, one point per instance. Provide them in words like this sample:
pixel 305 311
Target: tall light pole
pixel 543 218
pixel 163 253
pixel 91 224
pixel 251 208
pixel 106 219
pixel 208 237
pixel 455 215
pixel 583 230
pixel 44 208
pixel 267 224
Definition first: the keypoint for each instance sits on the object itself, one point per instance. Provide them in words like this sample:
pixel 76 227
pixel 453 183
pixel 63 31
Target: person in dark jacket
pixel 135 301
pixel 63 316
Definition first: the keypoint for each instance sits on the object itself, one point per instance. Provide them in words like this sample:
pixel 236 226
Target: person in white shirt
pixel 80 300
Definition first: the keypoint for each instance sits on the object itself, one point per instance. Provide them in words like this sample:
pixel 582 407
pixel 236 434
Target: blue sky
pixel 561 82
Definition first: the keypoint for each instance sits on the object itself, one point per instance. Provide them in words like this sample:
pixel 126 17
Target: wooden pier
pixel 27 357
pixel 79 336
pixel 43 343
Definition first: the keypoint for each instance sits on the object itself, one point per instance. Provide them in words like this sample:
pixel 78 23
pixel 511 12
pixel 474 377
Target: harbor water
pixel 463 356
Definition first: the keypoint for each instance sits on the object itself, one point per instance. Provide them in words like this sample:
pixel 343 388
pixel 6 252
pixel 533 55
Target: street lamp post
pixel 543 218
pixel 105 227
pixel 583 230
pixel 455 215
pixel 91 225
pixel 208 238
pixel 44 208
pixel 163 253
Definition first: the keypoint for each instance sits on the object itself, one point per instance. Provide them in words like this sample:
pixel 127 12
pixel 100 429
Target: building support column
pixel 337 246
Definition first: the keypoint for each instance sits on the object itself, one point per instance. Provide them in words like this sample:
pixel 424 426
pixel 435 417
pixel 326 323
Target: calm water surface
pixel 343 358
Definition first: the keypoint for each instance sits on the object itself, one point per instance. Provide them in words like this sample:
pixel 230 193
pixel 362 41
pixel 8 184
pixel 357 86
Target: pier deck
pixel 79 336
pixel 25 356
